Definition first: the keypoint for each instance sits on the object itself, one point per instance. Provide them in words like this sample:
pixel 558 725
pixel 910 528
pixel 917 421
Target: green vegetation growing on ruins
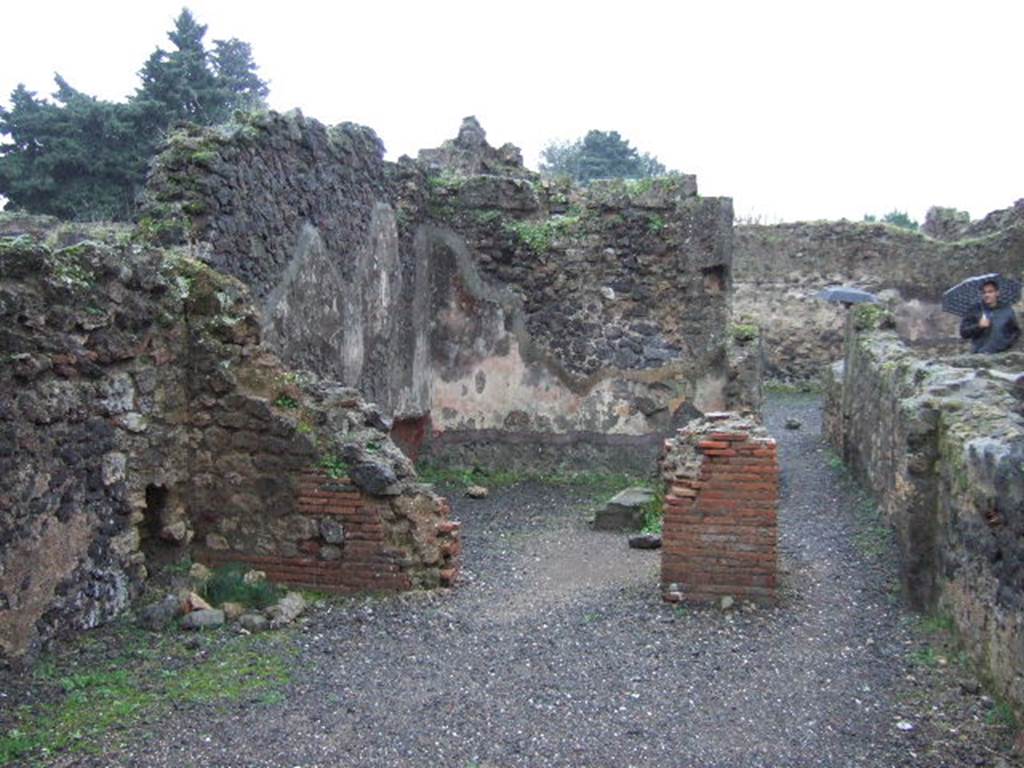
pixel 870 317
pixel 593 484
pixel 335 467
pixel 894 218
pixel 111 682
pixel 81 158
pixel 539 235
pixel 227 584
pixel 654 512
pixel 744 332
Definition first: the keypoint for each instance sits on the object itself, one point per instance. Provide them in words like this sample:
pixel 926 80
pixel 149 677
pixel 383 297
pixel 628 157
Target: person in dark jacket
pixel 991 326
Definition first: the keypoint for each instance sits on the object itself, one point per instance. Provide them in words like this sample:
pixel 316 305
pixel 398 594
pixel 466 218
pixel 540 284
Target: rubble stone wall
pixel 460 288
pixel 343 540
pixel 143 421
pixel 720 534
pixel 941 444
pixel 780 268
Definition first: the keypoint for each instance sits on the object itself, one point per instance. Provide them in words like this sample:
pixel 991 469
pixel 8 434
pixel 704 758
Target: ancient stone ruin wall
pixel 941 444
pixel 720 534
pixel 780 268
pixel 143 422
pixel 479 304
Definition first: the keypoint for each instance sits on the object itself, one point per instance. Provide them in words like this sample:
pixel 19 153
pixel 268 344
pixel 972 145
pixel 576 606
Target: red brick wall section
pixel 368 559
pixel 720 533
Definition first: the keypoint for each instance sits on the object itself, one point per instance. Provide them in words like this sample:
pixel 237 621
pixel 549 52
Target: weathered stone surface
pixel 199 574
pixel 207 618
pixel 941 444
pixel 332 531
pixel 143 421
pixel 157 616
pixel 375 478
pixel 253 622
pixel 477 492
pixel 625 511
pixel 462 289
pixel 233 611
pixel 286 610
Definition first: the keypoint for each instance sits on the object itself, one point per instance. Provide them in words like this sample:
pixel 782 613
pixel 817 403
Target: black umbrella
pixel 965 295
pixel 844 295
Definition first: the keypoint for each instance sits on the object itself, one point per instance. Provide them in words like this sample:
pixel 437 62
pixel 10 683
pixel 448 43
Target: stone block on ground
pixel 207 618
pixel 477 492
pixel 625 511
pixel 158 615
pixel 253 622
pixel 286 610
pixel 645 541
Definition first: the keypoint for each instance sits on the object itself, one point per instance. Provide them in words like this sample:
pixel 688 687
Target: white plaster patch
pixel 511 386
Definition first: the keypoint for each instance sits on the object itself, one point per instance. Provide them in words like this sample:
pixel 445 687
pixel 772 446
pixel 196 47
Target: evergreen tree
pixel 81 158
pixel 598 155
pixel 76 157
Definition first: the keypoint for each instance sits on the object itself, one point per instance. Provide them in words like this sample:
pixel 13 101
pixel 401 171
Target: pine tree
pixel 78 157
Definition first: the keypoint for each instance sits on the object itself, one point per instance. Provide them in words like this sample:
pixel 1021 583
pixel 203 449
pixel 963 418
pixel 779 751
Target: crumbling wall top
pixel 469 154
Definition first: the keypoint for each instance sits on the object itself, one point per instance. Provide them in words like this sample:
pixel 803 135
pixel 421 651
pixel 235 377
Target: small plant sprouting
pixel 925 657
pixel 284 400
pixel 228 585
pixel 335 467
pixel 654 513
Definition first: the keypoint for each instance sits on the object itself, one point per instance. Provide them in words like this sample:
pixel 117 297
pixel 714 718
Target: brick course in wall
pixel 720 532
pixel 372 555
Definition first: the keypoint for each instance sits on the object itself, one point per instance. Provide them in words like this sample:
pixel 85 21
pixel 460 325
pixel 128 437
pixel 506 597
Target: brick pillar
pixel 720 533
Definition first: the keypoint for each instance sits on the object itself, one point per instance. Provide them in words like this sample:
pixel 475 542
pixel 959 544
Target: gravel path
pixel 556 650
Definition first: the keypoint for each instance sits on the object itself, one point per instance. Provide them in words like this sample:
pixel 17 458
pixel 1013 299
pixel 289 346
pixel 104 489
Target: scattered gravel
pixel 557 650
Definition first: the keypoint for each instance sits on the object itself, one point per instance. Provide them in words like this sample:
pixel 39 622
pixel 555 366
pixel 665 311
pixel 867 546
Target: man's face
pixel 990 295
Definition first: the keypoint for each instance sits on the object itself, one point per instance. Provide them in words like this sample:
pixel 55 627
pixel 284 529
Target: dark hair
pixel 987 283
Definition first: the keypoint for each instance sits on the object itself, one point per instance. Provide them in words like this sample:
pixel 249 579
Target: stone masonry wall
pixel 720 533
pixel 349 541
pixel 941 444
pixel 142 421
pixel 780 268
pixel 485 308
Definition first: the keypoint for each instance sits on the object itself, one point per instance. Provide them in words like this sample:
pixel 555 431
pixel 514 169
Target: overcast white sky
pixel 796 110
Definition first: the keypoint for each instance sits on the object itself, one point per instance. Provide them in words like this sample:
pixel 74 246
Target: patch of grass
pixel 591 483
pixel 227 585
pixel 937 624
pixel 925 657
pixel 874 537
pixel 461 477
pixel 835 461
pixel 775 387
pixel 654 514
pixel 1002 715
pixel 89 701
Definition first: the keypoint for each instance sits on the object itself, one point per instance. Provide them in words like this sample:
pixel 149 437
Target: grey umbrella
pixel 841 294
pixel 962 297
